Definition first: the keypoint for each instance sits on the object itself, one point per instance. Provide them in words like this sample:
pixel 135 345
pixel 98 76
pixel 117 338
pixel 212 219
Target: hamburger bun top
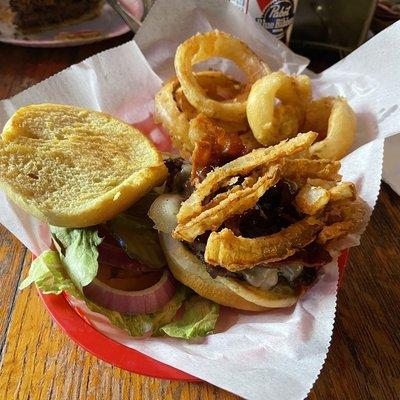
pixel 73 167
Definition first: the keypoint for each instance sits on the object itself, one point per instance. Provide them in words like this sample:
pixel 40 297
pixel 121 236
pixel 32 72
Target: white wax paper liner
pixel 258 356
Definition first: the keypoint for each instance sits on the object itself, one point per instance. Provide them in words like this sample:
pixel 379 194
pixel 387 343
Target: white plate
pixel 107 25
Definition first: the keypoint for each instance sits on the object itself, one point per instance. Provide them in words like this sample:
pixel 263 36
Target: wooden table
pixel 38 361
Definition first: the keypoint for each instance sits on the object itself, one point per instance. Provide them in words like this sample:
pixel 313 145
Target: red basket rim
pixel 104 348
pixel 112 352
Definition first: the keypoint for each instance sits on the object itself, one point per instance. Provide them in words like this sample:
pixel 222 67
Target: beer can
pixel 276 16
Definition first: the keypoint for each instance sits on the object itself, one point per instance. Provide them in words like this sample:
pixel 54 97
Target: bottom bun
pixel 189 270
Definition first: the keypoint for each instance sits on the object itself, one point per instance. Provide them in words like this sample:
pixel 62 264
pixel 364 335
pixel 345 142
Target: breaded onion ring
pixel 236 253
pixel 216 85
pixel 343 217
pixel 172 119
pixel 335 122
pixel 174 112
pixel 201 47
pixel 194 205
pixel 271 122
pixel 235 202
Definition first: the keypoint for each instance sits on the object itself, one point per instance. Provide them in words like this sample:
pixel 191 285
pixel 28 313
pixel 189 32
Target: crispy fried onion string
pixel 328 207
pixel 234 203
pixel 242 166
pixel 236 253
pixel 343 217
pixel 299 170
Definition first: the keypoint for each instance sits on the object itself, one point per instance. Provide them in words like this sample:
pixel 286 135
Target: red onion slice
pixel 144 301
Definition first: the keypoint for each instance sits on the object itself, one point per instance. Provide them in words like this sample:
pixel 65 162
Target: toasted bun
pixel 73 167
pixel 189 270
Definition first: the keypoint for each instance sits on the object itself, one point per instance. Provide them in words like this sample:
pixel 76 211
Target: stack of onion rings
pixel 260 220
pixel 329 208
pixel 174 112
pixel 267 108
pixel 279 107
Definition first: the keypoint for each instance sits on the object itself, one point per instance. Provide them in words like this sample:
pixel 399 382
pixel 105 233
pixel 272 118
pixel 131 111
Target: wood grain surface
pixel 38 361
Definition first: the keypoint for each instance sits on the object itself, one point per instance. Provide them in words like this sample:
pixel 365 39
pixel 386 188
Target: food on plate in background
pixel 35 15
pixel 253 233
pixel 91 177
pixel 268 108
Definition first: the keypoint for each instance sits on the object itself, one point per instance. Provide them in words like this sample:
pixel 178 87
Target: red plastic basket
pixel 82 333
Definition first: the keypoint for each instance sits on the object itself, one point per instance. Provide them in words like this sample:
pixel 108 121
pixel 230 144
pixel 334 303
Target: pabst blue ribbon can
pixel 276 16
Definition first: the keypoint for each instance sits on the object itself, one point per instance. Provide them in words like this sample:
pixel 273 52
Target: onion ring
pixel 174 112
pixel 201 47
pixel 335 122
pixel 216 85
pixel 260 250
pixel 235 202
pixel 172 119
pixel 147 300
pixel 344 217
pixel 270 122
pixel 240 167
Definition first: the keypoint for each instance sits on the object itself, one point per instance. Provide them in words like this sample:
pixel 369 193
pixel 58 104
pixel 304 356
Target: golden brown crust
pixel 74 167
pixel 343 218
pixel 236 253
pixel 203 46
pixel 335 121
pixel 271 122
pixel 242 166
pixel 174 112
pixel 236 202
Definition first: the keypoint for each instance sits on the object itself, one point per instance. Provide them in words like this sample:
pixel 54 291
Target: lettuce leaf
pixel 169 311
pixel 135 232
pixel 198 320
pixel 50 274
pixel 80 253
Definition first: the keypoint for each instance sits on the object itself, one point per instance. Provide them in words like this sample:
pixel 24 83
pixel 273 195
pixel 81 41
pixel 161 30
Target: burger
pixel 235 226
pixel 254 232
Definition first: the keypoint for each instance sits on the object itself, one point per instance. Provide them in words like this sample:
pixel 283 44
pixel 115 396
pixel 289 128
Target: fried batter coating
pixel 343 218
pixel 242 166
pixel 235 203
pixel 324 209
pixel 236 253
